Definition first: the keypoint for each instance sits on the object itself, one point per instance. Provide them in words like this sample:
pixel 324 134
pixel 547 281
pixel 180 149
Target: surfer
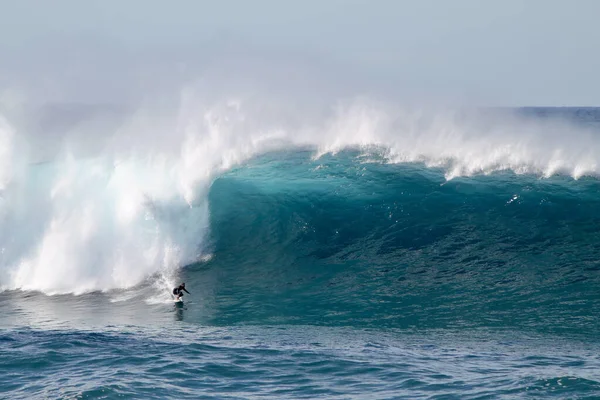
pixel 178 291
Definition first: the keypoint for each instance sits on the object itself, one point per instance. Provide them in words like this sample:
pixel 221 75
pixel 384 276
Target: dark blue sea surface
pixel 348 274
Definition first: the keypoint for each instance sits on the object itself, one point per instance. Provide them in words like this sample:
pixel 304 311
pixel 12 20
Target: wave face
pixel 347 240
pixel 363 209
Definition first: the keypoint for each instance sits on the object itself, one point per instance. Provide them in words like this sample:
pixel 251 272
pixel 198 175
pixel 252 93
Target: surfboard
pixel 178 300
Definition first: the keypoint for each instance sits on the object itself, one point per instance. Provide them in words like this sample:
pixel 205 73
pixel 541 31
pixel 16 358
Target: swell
pixel 310 361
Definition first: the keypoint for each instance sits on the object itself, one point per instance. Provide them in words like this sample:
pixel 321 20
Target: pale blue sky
pixel 528 52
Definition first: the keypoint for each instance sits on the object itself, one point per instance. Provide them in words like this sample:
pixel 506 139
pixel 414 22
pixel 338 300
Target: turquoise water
pixel 339 276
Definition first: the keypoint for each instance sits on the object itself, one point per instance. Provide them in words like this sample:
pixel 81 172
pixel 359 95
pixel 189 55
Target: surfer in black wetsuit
pixel 178 291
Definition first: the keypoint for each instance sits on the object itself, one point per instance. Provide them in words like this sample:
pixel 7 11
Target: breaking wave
pixel 111 208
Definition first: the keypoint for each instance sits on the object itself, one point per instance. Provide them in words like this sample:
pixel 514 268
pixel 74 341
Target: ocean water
pixel 371 254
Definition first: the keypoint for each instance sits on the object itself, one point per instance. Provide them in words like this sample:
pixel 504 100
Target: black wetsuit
pixel 178 291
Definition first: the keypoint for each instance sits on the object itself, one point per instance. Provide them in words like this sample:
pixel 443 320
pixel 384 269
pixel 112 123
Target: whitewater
pixel 357 249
